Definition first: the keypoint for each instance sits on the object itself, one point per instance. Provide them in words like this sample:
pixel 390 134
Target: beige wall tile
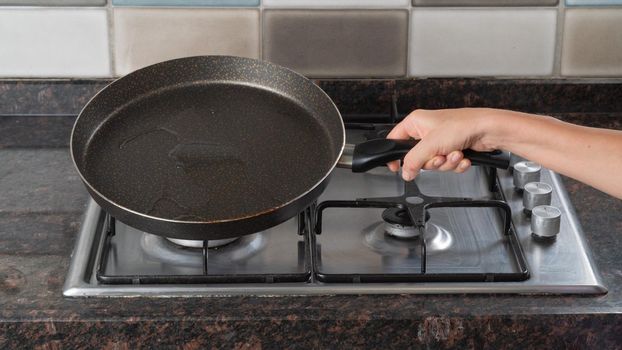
pixel 44 42
pixel 336 3
pixel 53 2
pixel 482 42
pixel 592 42
pixel 146 36
pixel 484 2
pixel 335 43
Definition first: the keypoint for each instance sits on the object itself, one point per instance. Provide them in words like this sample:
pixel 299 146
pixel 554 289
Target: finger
pixel 453 159
pixel 416 159
pixel 394 165
pixel 463 166
pixel 434 163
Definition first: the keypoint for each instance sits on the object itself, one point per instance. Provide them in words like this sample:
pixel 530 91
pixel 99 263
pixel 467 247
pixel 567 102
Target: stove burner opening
pixel 397 223
pixel 192 243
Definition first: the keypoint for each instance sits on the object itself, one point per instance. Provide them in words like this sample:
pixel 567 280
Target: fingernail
pixel 407 175
pixel 463 165
pixel 455 157
pixel 437 162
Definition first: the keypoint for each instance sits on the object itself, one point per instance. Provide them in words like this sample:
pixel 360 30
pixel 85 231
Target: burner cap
pixel 398 223
pixel 397 216
pixel 191 243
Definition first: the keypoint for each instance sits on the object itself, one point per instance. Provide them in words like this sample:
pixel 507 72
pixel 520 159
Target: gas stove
pixel 360 237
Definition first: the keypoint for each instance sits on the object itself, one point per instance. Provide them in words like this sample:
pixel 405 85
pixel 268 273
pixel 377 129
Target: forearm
pixel 590 155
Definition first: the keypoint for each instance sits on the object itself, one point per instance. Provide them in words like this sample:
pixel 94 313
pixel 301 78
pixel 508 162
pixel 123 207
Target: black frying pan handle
pixel 374 153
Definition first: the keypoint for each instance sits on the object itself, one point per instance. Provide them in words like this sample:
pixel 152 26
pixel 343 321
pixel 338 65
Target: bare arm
pixel 590 155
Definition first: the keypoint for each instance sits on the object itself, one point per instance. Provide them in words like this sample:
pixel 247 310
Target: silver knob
pixel 535 194
pixel 545 220
pixel 515 158
pixel 526 172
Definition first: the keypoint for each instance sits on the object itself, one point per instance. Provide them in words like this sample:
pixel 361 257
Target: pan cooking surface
pixel 208 152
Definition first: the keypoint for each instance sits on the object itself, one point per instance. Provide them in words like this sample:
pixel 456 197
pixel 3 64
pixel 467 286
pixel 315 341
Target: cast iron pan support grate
pixel 418 205
pixel 205 278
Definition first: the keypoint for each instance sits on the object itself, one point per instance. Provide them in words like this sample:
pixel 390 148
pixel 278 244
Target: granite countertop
pixel 41 203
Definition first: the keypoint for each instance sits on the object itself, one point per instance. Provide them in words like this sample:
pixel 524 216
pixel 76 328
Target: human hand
pixel 443 134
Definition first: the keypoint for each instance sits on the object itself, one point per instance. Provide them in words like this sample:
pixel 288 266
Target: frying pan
pixel 212 147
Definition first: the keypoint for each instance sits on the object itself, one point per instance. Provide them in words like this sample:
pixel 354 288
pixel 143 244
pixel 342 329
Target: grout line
pixel 111 44
pixel 409 23
pixel 559 39
pixel 260 29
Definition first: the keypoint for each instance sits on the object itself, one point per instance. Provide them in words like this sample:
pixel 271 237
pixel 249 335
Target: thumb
pixel 404 130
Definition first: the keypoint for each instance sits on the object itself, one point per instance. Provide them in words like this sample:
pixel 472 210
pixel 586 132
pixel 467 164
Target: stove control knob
pixel 526 172
pixel 515 158
pixel 545 220
pixel 535 194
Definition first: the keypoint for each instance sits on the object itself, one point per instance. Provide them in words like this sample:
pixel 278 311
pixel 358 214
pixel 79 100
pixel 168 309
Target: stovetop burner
pixel 161 249
pixel 398 223
pixel 191 243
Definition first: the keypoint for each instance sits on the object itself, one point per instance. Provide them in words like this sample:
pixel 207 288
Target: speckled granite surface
pixel 26 97
pixel 41 203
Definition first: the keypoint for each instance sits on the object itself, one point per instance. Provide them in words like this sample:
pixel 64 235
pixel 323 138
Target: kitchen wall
pixel 319 38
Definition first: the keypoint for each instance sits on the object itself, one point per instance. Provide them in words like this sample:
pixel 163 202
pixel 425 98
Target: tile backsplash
pixel 592 43
pixel 342 43
pixel 52 2
pixel 186 3
pixel 318 38
pixel 486 42
pixel 54 42
pixel 144 36
pixel 593 2
pixel 335 3
pixel 485 2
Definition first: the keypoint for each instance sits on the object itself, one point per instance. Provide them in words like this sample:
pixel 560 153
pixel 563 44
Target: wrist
pixel 496 128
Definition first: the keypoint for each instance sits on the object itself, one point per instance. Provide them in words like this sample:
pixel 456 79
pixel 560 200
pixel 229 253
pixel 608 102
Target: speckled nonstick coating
pixel 207 147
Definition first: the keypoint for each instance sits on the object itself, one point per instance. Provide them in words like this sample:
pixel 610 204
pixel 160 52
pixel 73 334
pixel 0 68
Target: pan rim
pixel 218 221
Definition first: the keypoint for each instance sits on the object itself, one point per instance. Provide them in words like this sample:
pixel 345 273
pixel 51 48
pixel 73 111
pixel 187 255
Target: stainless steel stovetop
pixel 353 254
